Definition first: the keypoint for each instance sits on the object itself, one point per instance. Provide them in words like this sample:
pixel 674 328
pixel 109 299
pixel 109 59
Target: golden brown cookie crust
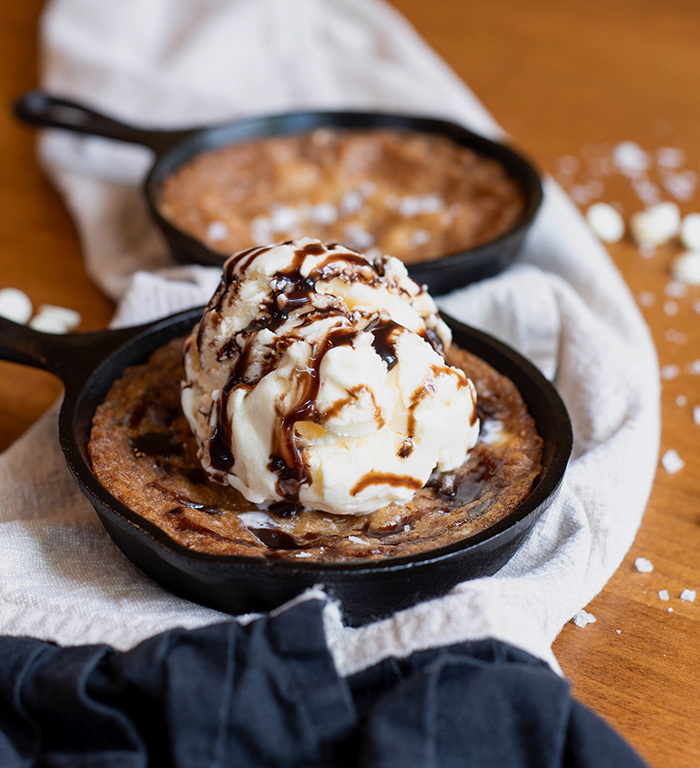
pixel 143 452
pixel 418 196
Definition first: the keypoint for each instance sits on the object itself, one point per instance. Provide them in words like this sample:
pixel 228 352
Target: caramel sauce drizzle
pixel 353 395
pixel 429 386
pixel 475 416
pixel 385 478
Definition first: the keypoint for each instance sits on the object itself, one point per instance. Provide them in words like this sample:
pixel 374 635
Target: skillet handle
pixel 72 356
pixel 39 108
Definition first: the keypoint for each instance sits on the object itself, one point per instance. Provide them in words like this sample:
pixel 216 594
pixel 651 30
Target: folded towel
pixel 563 305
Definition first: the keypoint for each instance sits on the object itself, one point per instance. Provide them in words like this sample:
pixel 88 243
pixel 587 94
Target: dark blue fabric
pixel 267 694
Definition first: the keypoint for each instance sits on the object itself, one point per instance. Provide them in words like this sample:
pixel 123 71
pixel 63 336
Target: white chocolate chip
pixel 284 218
pixel 656 225
pixel 351 203
pixel 675 337
pixel 676 290
pixel 419 237
pixel 687 268
pixel 583 618
pixel 358 238
pixel 681 185
pixel 647 191
pixel 491 431
pixel 216 231
pixel 579 194
pixel 47 324
pixel 669 372
pixel 643 565
pixel 671 308
pixel 688 595
pixel 696 414
pixel 663 594
pixel 672 462
pixel 432 204
pixel 53 319
pixel 630 158
pixel 670 157
pixel 410 206
pixel 324 213
pixel 367 188
pixel 15 305
pixel 690 231
pixel 606 222
pixel 261 230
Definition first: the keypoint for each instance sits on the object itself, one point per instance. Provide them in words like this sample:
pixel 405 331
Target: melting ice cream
pixel 316 378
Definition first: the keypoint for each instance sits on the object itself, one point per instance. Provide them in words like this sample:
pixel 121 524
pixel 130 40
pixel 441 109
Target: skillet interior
pixel 367 590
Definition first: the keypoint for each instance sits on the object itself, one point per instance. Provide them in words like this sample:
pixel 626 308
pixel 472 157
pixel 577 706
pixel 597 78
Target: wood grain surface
pixel 565 79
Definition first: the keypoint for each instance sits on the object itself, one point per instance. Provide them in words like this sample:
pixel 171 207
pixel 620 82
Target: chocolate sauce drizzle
pixel 434 340
pixel 293 292
pixel 384 334
pixel 286 459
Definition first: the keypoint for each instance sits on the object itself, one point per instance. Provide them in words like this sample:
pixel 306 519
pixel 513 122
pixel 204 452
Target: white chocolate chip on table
pixel 53 319
pixel 686 267
pixel 15 305
pixel 690 231
pixel 606 222
pixel 656 225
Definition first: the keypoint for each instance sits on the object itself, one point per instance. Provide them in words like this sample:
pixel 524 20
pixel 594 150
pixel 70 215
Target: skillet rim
pixel 517 166
pixel 542 495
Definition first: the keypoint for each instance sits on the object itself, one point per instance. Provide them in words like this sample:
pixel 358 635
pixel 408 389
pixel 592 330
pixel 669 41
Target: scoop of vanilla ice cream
pixel 316 377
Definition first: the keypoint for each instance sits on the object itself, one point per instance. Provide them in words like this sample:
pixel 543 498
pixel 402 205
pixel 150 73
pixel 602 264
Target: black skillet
pixel 174 148
pixel 88 363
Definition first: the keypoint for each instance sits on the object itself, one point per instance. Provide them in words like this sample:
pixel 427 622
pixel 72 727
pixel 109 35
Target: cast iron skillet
pixel 88 363
pixel 174 148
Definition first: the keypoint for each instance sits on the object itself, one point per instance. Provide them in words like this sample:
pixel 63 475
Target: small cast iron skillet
pixel 174 148
pixel 88 363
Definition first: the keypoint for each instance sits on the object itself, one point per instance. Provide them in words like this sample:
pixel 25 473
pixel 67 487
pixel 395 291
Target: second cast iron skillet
pixel 88 363
pixel 174 148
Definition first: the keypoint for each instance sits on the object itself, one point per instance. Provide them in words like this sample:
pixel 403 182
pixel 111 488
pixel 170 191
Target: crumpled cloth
pixel 268 694
pixel 563 305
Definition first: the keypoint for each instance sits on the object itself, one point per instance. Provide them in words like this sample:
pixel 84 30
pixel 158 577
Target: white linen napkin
pixel 563 305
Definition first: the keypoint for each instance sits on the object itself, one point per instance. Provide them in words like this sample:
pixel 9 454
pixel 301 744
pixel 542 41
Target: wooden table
pixel 563 79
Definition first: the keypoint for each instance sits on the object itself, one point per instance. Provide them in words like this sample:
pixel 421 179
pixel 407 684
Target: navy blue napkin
pixel 267 694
